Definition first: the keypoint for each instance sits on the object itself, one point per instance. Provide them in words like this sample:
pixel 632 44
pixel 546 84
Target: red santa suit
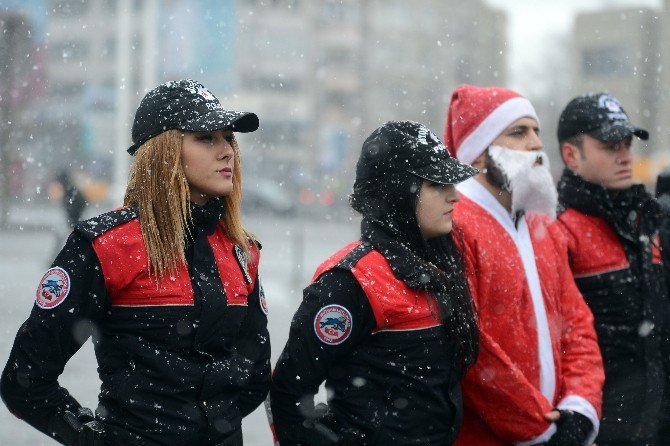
pixel 538 347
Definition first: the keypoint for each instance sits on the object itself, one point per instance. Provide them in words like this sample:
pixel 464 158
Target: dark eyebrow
pixel 525 127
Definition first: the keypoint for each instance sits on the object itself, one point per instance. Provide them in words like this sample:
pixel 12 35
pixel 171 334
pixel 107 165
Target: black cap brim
pixel 616 131
pixel 243 122
pixel 446 170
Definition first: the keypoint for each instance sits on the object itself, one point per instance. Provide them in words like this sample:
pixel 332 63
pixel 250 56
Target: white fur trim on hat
pixel 491 127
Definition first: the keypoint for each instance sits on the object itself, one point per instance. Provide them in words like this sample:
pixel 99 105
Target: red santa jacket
pixel 538 347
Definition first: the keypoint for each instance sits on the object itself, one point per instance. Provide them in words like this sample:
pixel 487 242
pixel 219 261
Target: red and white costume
pixel 538 347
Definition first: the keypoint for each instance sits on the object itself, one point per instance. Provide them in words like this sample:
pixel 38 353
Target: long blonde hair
pixel 158 188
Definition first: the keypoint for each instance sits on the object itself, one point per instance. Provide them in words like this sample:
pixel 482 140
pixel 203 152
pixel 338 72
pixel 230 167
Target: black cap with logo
pixel 185 105
pixel 599 115
pixel 408 146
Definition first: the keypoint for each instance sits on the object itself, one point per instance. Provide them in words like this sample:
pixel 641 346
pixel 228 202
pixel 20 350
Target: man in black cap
pixel 612 227
pixel 388 323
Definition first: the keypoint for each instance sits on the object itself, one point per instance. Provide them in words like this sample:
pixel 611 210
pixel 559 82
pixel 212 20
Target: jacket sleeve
pixel 583 375
pixel 306 361
pixel 496 390
pixel 50 337
pixel 254 346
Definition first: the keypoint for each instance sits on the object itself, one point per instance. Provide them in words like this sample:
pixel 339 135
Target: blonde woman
pixel 167 286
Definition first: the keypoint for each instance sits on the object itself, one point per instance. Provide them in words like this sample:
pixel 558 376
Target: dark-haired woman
pixel 387 323
pixel 167 286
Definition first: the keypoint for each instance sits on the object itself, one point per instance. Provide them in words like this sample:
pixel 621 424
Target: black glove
pixel 572 429
pixel 77 429
pixel 320 424
pixel 325 430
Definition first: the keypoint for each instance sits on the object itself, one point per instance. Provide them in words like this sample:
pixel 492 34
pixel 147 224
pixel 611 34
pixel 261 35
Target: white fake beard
pixel 528 180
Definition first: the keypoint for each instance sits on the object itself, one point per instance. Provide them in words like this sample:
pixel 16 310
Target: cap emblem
pixel 435 144
pixel 202 91
pixel 612 106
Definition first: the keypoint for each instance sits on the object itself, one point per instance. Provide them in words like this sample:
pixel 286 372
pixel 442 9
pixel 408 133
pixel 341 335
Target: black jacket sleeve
pixel 254 345
pixel 50 337
pixel 306 361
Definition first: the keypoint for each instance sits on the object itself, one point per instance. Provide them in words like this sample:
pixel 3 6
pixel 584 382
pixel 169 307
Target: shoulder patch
pixel 53 288
pixel 261 297
pixel 332 324
pixel 96 226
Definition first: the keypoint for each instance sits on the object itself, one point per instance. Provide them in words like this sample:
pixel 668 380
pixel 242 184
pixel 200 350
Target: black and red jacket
pixel 617 260
pixel 180 364
pixel 383 352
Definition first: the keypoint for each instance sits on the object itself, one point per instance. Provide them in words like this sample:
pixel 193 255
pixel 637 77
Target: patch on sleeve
pixel 261 297
pixel 332 324
pixel 53 288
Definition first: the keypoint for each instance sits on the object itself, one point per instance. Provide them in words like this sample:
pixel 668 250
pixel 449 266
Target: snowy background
pixel 321 75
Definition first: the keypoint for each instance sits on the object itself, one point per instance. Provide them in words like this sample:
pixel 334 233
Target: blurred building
pixel 325 74
pixel 321 75
pixel 662 128
pixel 622 51
pixel 86 78
pixel 21 88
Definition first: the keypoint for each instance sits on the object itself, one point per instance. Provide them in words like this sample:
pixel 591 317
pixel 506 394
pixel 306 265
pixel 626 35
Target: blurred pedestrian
pixel 538 378
pixel 388 322
pixel 71 198
pixel 167 286
pixel 612 227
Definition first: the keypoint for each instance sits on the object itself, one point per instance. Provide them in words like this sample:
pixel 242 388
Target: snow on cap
pixel 478 115
pixel 185 105
pixel 407 146
pixel 599 115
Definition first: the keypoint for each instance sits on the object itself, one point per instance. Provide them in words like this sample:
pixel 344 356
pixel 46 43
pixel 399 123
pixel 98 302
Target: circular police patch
pixel 332 324
pixel 261 298
pixel 53 288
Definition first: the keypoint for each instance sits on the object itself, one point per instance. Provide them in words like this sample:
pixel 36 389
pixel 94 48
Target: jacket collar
pixel 621 209
pixel 207 216
pixel 407 265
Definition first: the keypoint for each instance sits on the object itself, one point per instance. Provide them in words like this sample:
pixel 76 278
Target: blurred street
pixel 291 251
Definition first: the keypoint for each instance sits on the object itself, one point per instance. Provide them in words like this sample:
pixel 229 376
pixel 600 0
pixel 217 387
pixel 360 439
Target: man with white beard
pixel 538 377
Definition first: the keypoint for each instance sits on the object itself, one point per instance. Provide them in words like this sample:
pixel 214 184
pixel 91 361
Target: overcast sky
pixel 533 24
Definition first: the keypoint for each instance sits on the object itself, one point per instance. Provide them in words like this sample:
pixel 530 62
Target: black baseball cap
pixel 408 146
pixel 599 115
pixel 185 105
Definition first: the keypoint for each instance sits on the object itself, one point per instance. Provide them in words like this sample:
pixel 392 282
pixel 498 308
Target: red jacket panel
pixel 395 305
pixel 124 262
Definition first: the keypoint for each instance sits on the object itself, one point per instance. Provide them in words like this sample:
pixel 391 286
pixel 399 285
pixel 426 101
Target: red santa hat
pixel 478 115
